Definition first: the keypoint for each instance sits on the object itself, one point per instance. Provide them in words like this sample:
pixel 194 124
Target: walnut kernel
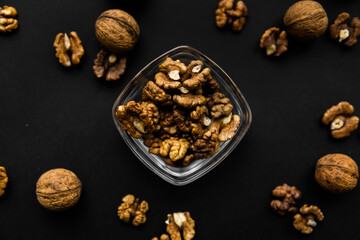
pixel 7 21
pixel 3 180
pixel 131 207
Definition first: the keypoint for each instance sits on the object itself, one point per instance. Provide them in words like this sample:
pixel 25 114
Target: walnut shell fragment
pixel 306 20
pixel 345 30
pixel 3 180
pixel 305 221
pixel 132 208
pixel 110 65
pixel 69 50
pixel 274 41
pixel 117 31
pixel 58 189
pixel 341 124
pixel 337 173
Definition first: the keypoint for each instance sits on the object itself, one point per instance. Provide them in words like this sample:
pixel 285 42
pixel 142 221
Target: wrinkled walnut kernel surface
pixel 274 41
pixel 110 65
pixel 289 196
pixel 345 29
pixel 183 117
pixel 3 180
pixel 229 13
pixel 132 208
pixel 305 221
pixel 69 49
pixel 8 23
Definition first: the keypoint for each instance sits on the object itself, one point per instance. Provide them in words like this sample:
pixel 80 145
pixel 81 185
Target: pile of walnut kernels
pixel 183 116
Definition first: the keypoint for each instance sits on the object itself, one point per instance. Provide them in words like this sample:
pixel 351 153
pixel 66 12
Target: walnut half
pixel 69 50
pixel 131 207
pixel 8 23
pixel 3 180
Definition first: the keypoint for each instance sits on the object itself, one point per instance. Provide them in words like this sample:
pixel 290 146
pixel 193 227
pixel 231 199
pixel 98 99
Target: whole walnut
pixel 306 20
pixel 337 173
pixel 117 31
pixel 58 189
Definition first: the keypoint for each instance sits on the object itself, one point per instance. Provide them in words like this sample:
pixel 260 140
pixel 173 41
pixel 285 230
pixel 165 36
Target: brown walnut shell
pixel 58 189
pixel 337 173
pixel 117 31
pixel 306 20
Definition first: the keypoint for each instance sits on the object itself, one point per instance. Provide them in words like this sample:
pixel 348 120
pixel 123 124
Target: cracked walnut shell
pixel 305 221
pixel 117 31
pixel 131 207
pixel 7 21
pixel 58 189
pixel 110 65
pixel 274 41
pixel 337 173
pixel 3 180
pixel 69 50
pixel 347 31
pixel 306 20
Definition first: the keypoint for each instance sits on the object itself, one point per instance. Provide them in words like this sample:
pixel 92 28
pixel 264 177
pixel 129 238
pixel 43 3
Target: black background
pixel 56 117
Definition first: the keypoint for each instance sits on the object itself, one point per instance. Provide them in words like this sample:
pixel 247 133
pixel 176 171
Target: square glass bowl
pixel 198 168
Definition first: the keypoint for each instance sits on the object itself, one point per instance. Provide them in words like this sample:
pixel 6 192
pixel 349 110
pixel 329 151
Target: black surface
pixel 56 117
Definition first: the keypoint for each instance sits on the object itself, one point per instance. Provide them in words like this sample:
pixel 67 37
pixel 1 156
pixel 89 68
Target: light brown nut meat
pixel 110 65
pixel 229 130
pixel 68 48
pixel 226 14
pixel 220 105
pixel 197 80
pixel 127 122
pixel 194 67
pixel 7 21
pixel 342 108
pixel 344 30
pixel 341 124
pixel 189 100
pixel 175 149
pixel 132 207
pixel 289 197
pixel 345 127
pixel 305 221
pixel 154 93
pixel 180 222
pixel 3 180
pixel 238 16
pixel 162 237
pixel 166 83
pixel 274 41
pixel 174 69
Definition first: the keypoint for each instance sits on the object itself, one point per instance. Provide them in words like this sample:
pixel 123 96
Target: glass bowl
pixel 198 168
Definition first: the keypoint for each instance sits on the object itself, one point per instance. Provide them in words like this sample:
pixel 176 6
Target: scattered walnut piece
pixel 338 116
pixel 110 65
pixel 65 45
pixel 346 31
pixel 132 207
pixel 3 180
pixel 274 41
pixel 305 221
pixel 180 222
pixel 7 21
pixel 289 197
pixel 226 14
pixel 162 237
